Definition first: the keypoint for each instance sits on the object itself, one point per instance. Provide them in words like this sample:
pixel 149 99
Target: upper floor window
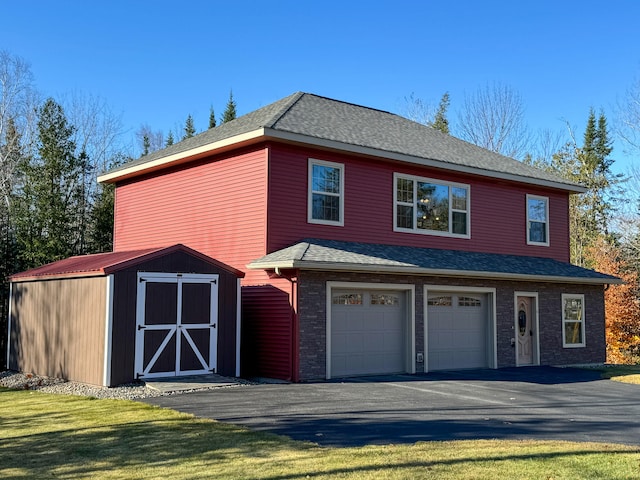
pixel 537 220
pixel 429 206
pixel 326 192
pixel 573 321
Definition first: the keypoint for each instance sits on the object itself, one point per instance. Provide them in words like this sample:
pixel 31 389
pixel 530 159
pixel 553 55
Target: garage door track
pixel 523 403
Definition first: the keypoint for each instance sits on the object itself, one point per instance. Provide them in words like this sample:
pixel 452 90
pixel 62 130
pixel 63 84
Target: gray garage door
pixel 457 331
pixel 368 332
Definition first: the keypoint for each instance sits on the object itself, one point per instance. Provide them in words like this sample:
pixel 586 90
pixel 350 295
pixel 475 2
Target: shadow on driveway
pixel 523 403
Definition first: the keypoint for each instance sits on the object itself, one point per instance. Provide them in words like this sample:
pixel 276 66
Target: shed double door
pixel 176 324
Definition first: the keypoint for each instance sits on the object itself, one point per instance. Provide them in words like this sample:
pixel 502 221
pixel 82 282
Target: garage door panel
pixel 457 332
pixel 368 337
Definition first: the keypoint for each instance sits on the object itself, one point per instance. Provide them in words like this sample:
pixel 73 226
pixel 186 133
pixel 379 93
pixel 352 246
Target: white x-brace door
pixel 176 324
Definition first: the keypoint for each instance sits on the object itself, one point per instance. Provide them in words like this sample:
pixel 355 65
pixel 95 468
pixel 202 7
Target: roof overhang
pixel 265 134
pixel 421 271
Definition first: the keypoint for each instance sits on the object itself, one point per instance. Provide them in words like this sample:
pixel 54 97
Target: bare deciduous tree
pixel 494 118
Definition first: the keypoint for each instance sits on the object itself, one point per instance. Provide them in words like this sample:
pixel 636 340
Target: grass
pixel 56 436
pixel 621 373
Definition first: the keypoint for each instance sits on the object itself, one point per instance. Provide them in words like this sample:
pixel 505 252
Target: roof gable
pixel 319 121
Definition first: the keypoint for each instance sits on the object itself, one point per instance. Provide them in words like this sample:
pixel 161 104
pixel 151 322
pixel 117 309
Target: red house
pixel 371 244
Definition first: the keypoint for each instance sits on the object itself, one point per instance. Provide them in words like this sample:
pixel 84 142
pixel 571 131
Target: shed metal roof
pixel 309 119
pixel 332 255
pixel 106 263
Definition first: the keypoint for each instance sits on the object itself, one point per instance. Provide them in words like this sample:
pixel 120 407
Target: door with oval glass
pixel 525 330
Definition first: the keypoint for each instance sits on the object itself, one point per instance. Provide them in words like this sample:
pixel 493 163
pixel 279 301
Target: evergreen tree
pixel 440 121
pixel 230 111
pixel 48 209
pixel 189 129
pixel 212 118
pixel 169 139
pixel 146 145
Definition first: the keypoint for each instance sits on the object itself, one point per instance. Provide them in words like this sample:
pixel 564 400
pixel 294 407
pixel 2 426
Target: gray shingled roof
pixel 358 257
pixel 348 125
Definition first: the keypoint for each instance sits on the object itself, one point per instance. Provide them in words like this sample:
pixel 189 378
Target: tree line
pixel 52 150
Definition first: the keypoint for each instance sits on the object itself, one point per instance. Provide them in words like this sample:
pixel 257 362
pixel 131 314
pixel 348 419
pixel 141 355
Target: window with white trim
pixel 326 193
pixel 537 220
pixel 573 320
pixel 435 207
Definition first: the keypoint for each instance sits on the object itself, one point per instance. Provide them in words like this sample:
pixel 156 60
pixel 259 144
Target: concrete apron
pixel 190 383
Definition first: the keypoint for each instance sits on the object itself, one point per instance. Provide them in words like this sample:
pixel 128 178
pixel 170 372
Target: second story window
pixel 537 220
pixel 423 205
pixel 326 192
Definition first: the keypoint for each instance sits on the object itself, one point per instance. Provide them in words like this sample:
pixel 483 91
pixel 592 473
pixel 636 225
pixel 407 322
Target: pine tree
pixel 146 145
pixel 169 139
pixel 440 121
pixel 189 129
pixel 48 223
pixel 230 111
pixel 212 118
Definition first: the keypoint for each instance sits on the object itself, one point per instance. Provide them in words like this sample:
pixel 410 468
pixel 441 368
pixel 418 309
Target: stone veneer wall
pixel 312 315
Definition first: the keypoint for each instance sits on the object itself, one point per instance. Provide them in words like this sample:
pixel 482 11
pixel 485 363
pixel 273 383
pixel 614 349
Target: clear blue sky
pixel 158 61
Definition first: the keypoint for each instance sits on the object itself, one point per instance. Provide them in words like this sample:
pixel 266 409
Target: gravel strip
pixel 132 391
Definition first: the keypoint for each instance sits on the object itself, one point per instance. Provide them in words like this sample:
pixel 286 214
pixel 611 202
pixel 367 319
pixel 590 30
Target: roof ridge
pixel 295 98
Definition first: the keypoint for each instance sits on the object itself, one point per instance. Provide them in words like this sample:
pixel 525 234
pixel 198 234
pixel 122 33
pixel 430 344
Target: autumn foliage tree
pixel 622 303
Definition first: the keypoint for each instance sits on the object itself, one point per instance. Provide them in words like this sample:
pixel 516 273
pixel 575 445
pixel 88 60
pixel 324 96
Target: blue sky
pixel 156 62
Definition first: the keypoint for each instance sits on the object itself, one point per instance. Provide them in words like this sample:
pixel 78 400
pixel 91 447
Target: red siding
pixel 498 214
pixel 216 207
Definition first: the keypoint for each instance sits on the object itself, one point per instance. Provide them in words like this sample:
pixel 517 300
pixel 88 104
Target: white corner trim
pixel 108 331
pixel 238 325
pixel 9 324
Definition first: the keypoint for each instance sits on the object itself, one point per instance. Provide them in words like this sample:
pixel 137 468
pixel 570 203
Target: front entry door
pixel 525 334
pixel 176 324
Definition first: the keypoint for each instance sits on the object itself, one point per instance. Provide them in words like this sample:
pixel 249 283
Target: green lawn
pixel 57 436
pixel 621 373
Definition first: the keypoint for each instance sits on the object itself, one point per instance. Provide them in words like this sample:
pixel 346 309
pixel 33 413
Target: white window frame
pixel 565 297
pixel 415 229
pixel 340 195
pixel 546 223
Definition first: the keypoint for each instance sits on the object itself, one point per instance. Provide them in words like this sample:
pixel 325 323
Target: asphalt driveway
pixel 523 403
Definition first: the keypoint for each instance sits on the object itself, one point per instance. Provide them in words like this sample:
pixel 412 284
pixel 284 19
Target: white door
pixel 176 321
pixel 525 330
pixel 368 332
pixel 458 333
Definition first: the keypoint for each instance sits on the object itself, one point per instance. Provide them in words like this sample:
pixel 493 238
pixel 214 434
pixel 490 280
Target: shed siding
pixel 498 209
pixel 58 328
pixel 215 206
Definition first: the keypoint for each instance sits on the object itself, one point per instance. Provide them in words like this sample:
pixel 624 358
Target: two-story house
pixel 371 244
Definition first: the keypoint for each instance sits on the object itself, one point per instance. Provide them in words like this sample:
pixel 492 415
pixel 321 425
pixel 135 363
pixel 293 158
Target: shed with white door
pixel 112 318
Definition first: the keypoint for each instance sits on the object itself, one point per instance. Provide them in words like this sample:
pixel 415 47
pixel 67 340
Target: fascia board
pixel 179 157
pixel 408 270
pixel 369 151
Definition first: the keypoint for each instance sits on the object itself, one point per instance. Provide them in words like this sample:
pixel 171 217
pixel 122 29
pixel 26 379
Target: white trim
pixel 238 325
pixel 582 321
pixel 108 331
pixel 340 166
pixel 450 185
pixel 410 357
pixel 9 324
pixel 179 157
pixel 493 316
pixel 546 223
pixel 411 270
pixel 536 327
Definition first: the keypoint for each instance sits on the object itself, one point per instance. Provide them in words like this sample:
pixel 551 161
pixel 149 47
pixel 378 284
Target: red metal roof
pixel 107 263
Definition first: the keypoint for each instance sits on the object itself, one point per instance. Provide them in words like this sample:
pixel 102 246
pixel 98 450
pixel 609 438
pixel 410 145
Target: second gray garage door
pixel 458 332
pixel 368 332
